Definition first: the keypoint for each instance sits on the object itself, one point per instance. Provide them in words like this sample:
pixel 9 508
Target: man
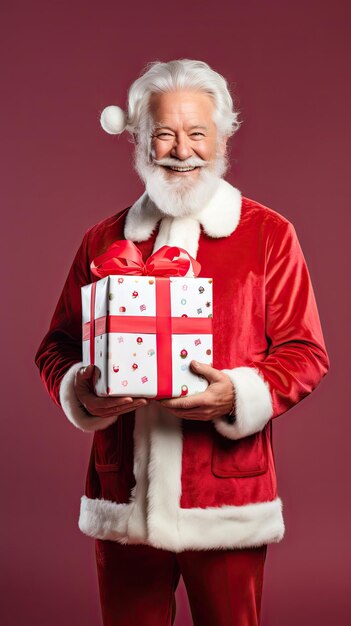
pixel 187 485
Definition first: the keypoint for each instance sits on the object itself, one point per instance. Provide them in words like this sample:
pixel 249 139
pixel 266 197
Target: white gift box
pixel 145 332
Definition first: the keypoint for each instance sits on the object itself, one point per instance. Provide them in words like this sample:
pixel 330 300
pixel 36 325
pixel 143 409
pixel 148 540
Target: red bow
pixel 123 257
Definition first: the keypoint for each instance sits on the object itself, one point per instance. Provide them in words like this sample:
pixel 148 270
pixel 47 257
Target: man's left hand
pixel 216 401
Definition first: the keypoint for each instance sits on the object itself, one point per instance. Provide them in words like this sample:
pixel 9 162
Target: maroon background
pixel 288 63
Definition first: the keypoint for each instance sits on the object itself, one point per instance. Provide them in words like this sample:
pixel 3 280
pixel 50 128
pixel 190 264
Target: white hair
pixel 175 75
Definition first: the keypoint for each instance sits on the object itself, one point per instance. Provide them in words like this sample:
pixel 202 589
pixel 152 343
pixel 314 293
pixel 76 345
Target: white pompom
pixel 113 120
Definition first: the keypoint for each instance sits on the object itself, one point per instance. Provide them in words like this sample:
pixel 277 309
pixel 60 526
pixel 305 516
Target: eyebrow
pixel 159 126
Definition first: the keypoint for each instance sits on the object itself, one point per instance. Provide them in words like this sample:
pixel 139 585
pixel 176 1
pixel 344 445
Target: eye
pixel 197 134
pixel 163 135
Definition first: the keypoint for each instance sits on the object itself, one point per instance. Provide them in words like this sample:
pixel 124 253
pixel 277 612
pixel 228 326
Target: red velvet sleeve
pixel 297 358
pixel 62 345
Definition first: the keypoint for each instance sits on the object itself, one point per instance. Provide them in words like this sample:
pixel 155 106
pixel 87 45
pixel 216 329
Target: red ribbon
pixel 123 257
pixel 146 324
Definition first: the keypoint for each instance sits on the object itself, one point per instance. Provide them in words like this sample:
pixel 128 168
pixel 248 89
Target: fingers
pixel 192 414
pixel 101 406
pixel 98 406
pixel 191 402
pixel 210 373
pixel 216 401
pixel 118 410
pixel 106 407
pixel 201 414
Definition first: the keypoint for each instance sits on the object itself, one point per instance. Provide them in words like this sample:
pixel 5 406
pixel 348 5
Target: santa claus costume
pixel 167 486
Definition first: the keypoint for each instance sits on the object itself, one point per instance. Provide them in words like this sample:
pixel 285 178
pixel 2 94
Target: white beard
pixel 179 197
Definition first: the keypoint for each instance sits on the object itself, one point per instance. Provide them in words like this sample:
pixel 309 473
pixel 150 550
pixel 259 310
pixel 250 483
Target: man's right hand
pixel 101 407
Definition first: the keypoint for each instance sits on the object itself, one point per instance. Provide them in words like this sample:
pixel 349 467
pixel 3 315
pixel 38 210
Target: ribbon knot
pixel 123 257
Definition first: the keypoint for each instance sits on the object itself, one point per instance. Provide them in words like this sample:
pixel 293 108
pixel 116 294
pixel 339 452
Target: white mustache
pixel 191 162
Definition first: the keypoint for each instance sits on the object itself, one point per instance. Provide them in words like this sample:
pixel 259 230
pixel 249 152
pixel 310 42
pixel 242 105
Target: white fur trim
pixel 183 232
pixel 72 408
pixel 154 516
pixel 253 404
pixel 192 529
pixel 113 120
pixel 219 218
pixel 142 219
pixel 221 214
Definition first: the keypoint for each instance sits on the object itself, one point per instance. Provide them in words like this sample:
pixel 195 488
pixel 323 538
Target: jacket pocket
pixel 241 457
pixel 112 474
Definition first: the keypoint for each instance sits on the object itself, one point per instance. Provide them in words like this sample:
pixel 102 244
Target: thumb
pixel 85 379
pixel 87 375
pixel 208 372
pixel 86 372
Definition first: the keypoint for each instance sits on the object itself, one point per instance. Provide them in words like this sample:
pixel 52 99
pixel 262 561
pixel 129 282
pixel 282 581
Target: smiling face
pixel 183 164
pixel 184 137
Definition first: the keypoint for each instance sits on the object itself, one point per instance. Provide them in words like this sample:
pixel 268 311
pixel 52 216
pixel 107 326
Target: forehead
pixel 181 106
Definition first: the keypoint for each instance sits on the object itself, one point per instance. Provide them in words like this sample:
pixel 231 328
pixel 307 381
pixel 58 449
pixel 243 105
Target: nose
pixel 181 148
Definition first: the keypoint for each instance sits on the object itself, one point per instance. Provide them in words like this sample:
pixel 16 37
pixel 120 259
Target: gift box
pixel 142 331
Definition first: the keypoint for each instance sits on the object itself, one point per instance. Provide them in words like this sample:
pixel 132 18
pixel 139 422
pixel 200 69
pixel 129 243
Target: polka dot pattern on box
pixel 128 359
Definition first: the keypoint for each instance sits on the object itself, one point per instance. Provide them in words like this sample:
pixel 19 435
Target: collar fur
pixel 219 218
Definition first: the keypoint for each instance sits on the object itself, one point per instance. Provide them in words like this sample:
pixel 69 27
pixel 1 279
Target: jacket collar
pixel 219 217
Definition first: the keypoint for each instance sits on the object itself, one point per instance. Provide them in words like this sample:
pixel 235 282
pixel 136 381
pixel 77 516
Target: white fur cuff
pixel 253 404
pixel 72 408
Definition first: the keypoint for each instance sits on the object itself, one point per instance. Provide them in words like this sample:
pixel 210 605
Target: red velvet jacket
pixel 182 484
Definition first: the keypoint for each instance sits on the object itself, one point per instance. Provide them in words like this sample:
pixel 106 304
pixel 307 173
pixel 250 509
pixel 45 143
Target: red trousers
pixel 137 585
